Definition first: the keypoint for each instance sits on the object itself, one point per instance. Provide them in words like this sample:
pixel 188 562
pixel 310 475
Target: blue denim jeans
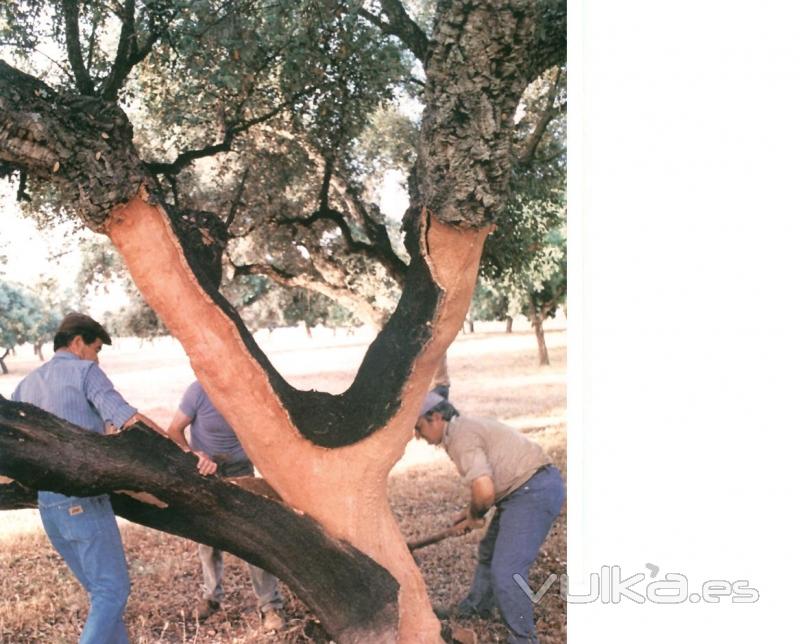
pixel 510 546
pixel 84 532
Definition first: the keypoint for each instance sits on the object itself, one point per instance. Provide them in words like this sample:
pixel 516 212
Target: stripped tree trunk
pixel 327 456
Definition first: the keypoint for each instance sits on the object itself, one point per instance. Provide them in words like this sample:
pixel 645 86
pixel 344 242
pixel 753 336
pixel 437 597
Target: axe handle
pixel 434 538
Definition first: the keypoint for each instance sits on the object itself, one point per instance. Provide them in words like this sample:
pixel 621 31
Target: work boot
pixel 465 610
pixel 461 611
pixel 206 608
pixel 271 619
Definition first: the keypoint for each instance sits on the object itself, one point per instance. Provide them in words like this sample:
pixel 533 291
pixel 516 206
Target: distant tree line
pixel 28 316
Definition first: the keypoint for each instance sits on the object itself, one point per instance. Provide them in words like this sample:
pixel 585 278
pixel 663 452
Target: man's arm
pixel 180 421
pixel 481 500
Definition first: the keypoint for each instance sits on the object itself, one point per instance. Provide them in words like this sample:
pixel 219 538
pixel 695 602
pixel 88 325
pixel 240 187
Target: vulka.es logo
pixel 608 587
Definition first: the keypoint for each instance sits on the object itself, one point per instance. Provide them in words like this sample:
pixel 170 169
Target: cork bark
pixel 327 456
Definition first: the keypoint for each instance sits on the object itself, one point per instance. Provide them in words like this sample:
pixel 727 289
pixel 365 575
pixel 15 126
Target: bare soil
pixel 492 373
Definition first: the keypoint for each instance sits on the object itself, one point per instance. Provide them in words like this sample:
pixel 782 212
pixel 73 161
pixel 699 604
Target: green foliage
pixel 25 317
pixel 101 267
pixel 30 317
pixel 302 99
pixel 524 261
pixel 264 304
pixel 19 314
pixel 488 302
pixel 136 320
pixel 54 304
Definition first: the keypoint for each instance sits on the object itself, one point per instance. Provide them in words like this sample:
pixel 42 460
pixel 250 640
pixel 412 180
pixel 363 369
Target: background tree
pixel 54 305
pixel 524 263
pixel 295 76
pixel 20 315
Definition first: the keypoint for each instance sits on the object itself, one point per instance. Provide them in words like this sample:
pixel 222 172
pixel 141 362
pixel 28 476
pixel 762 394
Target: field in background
pixel 493 374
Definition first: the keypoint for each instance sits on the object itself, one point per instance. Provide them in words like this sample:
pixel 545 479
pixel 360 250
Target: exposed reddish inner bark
pixel 344 488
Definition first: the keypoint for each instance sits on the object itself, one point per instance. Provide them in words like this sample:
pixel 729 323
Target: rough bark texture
pixel 481 58
pixel 354 598
pixel 326 455
pixel 80 145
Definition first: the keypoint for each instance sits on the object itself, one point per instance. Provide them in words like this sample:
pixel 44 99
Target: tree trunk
pixel 289 434
pixel 37 349
pixel 3 367
pixel 509 323
pixel 327 456
pixel 355 599
pixel 544 357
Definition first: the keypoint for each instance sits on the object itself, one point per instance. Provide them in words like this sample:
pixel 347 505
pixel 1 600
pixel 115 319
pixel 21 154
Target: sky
pixel 33 255
pixel 30 252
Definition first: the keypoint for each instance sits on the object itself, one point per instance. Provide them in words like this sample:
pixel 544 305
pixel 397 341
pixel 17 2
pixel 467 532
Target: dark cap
pixel 76 323
pixel 431 400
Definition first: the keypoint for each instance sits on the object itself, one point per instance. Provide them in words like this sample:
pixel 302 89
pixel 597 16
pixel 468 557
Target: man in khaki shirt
pixel 505 469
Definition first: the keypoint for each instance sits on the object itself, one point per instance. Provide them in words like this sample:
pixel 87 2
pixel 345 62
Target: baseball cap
pixel 431 400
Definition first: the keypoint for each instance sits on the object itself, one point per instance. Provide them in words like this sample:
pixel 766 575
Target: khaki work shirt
pixel 487 447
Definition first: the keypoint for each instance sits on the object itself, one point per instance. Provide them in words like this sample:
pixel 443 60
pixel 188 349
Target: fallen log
pixel 353 597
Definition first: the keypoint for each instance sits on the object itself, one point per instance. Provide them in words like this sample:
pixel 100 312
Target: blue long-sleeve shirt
pixel 77 391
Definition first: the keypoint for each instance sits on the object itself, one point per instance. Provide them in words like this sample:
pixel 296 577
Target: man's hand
pixel 467 525
pixel 458 517
pixel 205 465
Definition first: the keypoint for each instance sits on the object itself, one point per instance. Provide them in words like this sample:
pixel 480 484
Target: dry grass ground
pixel 493 374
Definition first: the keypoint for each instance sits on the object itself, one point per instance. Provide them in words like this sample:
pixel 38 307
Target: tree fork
pixel 354 597
pixel 343 488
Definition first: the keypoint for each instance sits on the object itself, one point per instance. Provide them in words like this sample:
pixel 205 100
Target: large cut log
pixel 353 597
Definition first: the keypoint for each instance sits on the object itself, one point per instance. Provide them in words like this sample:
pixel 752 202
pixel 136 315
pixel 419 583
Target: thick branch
pixel 81 145
pixel 383 253
pixel 340 294
pixel 401 25
pixel 353 596
pixel 72 33
pixel 185 158
pixel 122 61
pixel 326 184
pixel 14 496
pixel 548 113
pixel 378 235
pixel 237 199
pixel 482 57
pixel 380 249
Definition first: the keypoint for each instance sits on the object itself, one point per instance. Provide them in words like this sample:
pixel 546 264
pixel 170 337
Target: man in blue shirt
pixel 212 434
pixel 72 386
